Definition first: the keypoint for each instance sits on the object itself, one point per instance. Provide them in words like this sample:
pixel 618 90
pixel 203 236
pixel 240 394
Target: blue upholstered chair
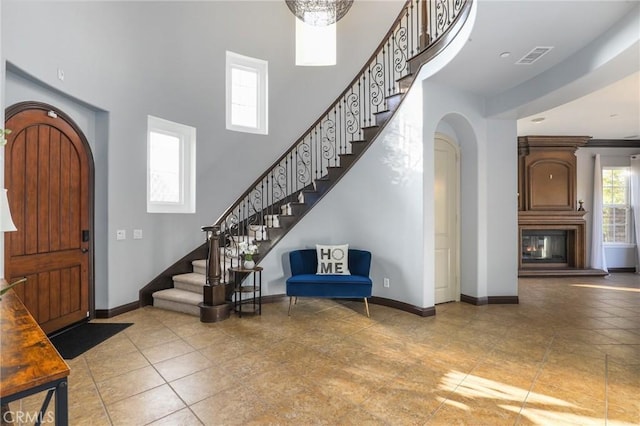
pixel 304 282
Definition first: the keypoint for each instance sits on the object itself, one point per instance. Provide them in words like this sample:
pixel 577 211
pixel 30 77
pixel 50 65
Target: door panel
pixel 48 177
pixel 443 273
pixel 446 192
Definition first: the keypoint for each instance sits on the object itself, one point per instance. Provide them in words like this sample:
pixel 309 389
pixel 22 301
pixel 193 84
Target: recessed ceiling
pixel 609 113
pixel 517 27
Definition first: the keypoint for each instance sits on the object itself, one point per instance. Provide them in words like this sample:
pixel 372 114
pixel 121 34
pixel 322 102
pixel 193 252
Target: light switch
pixel 121 234
pixel 137 234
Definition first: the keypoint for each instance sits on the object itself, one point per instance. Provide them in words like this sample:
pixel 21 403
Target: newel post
pixel 214 306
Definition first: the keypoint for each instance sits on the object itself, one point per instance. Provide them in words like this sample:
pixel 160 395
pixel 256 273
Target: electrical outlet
pixel 386 282
pixel 121 234
pixel 60 74
pixel 137 234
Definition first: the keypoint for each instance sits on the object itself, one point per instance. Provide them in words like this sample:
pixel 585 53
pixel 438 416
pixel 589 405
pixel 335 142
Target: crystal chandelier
pixel 319 13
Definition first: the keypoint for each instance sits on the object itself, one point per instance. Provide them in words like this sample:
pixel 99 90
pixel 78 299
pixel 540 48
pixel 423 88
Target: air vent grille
pixel 535 54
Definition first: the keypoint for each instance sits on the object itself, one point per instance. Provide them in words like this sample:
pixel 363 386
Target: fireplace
pixel 551 240
pixel 551 225
pixel 544 247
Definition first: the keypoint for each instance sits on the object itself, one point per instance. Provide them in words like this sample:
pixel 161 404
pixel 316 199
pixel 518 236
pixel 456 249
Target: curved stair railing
pixel 316 160
pixel 297 180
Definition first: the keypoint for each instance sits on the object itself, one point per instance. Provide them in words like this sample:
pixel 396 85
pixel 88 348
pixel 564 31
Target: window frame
pixel 626 207
pixel 187 167
pixel 261 68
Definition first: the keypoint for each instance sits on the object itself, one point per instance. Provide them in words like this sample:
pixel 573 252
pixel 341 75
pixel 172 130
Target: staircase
pixel 315 163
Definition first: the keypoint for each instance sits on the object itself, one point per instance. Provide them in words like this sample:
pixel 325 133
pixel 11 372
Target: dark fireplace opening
pixel 541 246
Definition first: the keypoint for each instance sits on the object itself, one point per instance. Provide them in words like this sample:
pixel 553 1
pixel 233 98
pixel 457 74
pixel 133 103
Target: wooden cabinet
pixel 547 172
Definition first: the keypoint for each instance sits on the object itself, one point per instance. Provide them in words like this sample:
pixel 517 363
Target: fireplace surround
pixel 570 224
pixel 551 226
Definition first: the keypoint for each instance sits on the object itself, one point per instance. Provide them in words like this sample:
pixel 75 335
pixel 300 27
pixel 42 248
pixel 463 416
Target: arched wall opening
pixel 459 129
pixel 20 86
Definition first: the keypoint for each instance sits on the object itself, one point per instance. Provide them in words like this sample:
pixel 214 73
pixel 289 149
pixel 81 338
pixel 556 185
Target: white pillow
pixel 333 260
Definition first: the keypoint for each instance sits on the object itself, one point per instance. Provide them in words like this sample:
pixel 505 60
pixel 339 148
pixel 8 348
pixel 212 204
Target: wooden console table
pixel 29 363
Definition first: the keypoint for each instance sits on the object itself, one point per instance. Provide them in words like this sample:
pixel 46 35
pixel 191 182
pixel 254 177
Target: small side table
pixel 251 306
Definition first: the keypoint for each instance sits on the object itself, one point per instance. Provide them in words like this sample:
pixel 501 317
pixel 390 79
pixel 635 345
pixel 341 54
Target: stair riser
pixel 383 117
pixel 200 266
pixel 194 288
pixel 333 173
pixel 405 82
pixel 322 186
pixel 298 209
pixel 358 146
pixel 370 132
pixel 347 159
pixel 394 100
pixel 177 307
pixel 310 198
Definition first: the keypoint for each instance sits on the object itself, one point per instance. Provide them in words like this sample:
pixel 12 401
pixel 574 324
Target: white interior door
pixel 447 189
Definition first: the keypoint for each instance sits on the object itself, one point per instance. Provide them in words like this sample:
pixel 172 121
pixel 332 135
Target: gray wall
pixel 125 60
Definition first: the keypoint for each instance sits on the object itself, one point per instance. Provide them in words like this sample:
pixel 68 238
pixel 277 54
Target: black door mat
pixel 77 340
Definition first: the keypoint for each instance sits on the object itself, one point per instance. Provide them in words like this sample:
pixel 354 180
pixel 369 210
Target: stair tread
pixel 177 295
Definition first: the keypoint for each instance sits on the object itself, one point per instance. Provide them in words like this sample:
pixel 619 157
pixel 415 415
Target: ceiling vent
pixel 535 54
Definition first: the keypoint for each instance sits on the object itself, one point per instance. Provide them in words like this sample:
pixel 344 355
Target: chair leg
pixel 366 305
pixel 290 300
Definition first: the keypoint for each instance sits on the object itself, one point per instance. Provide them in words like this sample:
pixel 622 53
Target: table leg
pixel 260 293
pixel 62 404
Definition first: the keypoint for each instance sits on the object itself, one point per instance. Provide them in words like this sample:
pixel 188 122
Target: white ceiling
pixel 517 26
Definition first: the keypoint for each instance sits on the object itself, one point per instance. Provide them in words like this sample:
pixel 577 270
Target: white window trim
pixel 619 245
pixel 261 67
pixel 187 136
pixel 629 237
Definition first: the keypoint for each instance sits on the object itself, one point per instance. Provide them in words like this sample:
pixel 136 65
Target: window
pixel 171 167
pixel 615 204
pixel 247 94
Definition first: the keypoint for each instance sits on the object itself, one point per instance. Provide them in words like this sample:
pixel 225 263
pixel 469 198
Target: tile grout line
pixel 606 388
pixel 535 378
pixel 95 385
pixel 152 365
pixel 434 412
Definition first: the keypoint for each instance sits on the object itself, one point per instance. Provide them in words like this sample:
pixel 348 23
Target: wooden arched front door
pixel 49 178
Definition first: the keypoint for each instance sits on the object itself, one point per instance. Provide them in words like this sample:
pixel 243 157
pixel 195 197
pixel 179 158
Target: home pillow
pixel 333 260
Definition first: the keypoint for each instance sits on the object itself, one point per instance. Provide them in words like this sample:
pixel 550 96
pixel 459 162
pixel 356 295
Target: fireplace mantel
pixel 534 217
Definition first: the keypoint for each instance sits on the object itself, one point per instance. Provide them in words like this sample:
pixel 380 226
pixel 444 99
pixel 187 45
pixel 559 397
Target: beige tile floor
pixel 569 353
